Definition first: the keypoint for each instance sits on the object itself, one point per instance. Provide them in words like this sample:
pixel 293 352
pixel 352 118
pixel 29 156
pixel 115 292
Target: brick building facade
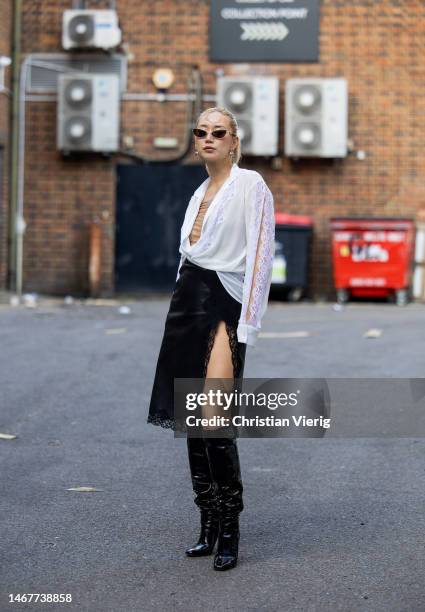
pixel 376 45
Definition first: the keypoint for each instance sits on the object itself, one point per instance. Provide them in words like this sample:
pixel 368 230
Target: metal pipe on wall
pixel 19 224
pixel 81 4
pixel 95 258
pixel 14 122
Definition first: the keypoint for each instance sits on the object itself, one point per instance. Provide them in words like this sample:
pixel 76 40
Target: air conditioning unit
pixel 255 103
pixel 85 29
pixel 316 117
pixel 88 112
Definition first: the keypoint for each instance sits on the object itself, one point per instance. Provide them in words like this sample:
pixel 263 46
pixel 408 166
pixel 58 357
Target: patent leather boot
pixel 206 500
pixel 225 468
pixel 228 544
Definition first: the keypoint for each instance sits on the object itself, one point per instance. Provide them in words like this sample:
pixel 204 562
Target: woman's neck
pixel 218 174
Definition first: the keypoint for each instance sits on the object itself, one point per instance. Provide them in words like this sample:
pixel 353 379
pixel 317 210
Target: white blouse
pixel 238 241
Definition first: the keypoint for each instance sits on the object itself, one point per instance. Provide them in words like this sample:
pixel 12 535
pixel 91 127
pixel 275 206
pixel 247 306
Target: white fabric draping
pixel 237 241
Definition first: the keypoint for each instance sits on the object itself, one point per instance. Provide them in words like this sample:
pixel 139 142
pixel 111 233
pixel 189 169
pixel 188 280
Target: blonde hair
pixel 233 126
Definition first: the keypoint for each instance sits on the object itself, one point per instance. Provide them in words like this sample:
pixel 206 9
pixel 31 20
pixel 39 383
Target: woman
pixel 220 296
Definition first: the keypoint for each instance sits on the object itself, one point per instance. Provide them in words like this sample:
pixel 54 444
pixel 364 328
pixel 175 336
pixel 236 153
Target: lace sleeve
pixel 260 227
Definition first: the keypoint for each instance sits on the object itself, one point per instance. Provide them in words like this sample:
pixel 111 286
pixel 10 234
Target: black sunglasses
pixel 221 133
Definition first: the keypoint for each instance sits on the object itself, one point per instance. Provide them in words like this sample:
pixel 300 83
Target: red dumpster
pixel 372 257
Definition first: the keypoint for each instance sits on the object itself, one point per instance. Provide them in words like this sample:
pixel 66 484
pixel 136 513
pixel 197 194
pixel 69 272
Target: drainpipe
pixel 14 155
pixel 95 257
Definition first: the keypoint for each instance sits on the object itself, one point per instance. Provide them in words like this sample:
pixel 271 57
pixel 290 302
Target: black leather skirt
pixel 198 303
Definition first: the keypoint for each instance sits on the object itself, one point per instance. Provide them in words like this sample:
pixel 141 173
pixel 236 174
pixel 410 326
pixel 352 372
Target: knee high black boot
pixel 225 469
pixel 206 500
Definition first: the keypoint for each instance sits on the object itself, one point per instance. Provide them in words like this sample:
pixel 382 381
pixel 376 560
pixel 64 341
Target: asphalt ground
pixel 329 524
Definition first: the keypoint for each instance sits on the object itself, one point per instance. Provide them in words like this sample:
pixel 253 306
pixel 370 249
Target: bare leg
pixel 219 372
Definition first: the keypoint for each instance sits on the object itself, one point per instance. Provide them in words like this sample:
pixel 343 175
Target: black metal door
pixel 151 202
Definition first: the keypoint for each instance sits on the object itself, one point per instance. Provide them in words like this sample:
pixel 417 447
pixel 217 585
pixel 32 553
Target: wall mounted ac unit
pixel 255 103
pixel 88 112
pixel 85 29
pixel 316 117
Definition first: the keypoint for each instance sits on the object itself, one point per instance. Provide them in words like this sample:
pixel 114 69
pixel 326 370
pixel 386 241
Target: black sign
pixel 264 31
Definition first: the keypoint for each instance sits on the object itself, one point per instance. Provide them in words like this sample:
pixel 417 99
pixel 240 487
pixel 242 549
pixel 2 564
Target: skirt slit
pixel 233 345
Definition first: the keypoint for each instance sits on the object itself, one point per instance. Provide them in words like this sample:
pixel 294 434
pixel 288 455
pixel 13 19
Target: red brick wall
pixel 5 36
pixel 377 46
